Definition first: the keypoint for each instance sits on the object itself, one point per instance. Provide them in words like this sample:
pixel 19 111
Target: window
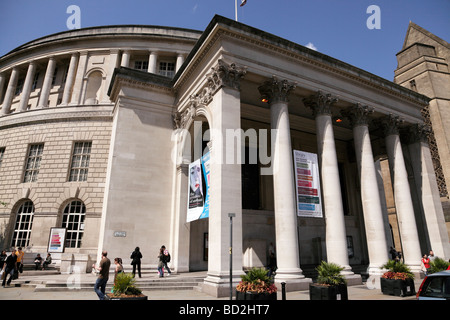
pixel 24 222
pixel 80 161
pixel 33 162
pixel 73 221
pixel 141 65
pixel 2 153
pixel 167 69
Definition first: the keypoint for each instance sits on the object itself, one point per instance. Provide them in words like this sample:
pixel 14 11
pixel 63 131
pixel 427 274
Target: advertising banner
pixel 307 184
pixel 198 202
pixel 56 240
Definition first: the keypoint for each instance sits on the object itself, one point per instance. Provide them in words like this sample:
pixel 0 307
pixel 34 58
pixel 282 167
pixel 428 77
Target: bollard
pixel 283 291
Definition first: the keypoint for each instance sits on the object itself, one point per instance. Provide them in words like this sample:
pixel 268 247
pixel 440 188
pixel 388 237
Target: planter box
pixel 112 297
pixel 255 296
pixel 323 292
pixel 399 288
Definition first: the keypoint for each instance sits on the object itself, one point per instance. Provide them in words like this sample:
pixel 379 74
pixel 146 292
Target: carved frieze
pixel 224 74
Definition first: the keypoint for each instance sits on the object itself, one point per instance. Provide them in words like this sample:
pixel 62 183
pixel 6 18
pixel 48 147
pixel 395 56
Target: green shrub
pixel 125 284
pixel 398 268
pixel 437 265
pixel 330 274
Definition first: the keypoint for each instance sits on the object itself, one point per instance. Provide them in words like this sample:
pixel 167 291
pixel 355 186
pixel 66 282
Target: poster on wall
pixel 307 182
pixel 198 196
pixel 56 240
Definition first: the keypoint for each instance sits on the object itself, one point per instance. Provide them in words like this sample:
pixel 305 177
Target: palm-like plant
pixel 437 265
pixel 256 280
pixel 397 270
pixel 125 284
pixel 330 274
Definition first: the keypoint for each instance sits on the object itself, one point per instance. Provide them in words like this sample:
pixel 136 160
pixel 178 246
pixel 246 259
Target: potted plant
pixel 330 283
pixel 256 285
pixel 125 288
pixel 438 264
pixel 398 280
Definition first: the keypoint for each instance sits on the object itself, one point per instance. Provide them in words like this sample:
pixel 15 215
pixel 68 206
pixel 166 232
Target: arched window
pixel 24 222
pixel 73 220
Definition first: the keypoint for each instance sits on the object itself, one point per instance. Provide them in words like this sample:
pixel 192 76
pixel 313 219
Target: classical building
pixel 100 128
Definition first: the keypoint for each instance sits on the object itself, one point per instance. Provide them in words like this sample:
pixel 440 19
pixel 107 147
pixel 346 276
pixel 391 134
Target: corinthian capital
pixel 358 114
pixel 418 132
pixel 224 74
pixel 390 124
pixel 320 103
pixel 275 90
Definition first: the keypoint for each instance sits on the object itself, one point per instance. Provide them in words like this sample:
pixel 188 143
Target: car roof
pixel 440 273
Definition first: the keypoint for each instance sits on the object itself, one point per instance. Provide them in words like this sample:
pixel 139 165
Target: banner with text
pixel 198 202
pixel 307 182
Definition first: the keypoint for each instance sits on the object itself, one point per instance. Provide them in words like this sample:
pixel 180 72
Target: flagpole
pixel 235 10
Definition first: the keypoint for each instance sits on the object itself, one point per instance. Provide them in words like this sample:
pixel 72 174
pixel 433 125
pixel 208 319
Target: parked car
pixel 435 286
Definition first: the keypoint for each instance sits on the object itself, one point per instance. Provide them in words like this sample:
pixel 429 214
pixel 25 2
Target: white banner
pixel 307 182
pixel 195 192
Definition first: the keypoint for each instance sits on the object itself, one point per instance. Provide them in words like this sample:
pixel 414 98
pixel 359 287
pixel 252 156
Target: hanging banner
pixel 56 240
pixel 195 193
pixel 206 171
pixel 307 182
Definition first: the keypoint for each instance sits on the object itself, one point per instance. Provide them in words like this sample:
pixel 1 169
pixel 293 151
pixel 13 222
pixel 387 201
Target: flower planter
pixel 255 296
pixel 125 297
pixel 327 292
pixel 397 287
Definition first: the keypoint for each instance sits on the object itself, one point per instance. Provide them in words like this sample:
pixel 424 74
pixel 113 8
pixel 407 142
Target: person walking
pixel 103 268
pixel 9 267
pixel 166 260
pixel 118 269
pixel 3 257
pixel 161 262
pixel 426 264
pixel 136 257
pixel 20 254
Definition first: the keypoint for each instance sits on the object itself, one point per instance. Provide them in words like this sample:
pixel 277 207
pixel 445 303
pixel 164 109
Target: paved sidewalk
pixel 26 291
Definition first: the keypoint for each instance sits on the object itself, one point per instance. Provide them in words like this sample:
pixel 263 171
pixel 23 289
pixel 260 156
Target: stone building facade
pixel 107 150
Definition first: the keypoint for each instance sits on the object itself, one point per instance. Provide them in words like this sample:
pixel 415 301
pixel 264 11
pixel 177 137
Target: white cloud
pixel 194 9
pixel 311 46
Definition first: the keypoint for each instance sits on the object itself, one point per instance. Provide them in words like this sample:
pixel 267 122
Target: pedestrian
pixel 426 264
pixel 19 254
pixel 394 254
pixel 431 256
pixel 9 267
pixel 136 257
pixel 166 260
pixel 118 269
pixel 103 268
pixel 3 257
pixel 47 261
pixel 37 261
pixel 161 263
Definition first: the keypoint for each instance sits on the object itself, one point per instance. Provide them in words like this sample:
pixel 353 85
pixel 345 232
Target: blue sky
pixel 334 27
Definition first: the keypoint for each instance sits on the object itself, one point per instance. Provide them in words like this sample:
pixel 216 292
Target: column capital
pixel 320 103
pixel 418 132
pixel 358 114
pixel 390 124
pixel 225 75
pixel 275 90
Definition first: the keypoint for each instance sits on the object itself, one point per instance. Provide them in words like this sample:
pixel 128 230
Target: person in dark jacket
pixel 136 257
pixel 10 267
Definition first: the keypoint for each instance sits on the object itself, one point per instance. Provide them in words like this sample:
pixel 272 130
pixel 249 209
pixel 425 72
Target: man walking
pixel 103 268
pixel 10 267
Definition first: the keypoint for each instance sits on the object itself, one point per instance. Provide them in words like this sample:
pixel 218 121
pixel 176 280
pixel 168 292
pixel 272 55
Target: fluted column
pixel 79 78
pixel 427 189
pixel 70 79
pixel 152 59
pixel 402 193
pixel 288 255
pixel 47 84
pixel 370 196
pixel 10 91
pixel 336 240
pixel 25 96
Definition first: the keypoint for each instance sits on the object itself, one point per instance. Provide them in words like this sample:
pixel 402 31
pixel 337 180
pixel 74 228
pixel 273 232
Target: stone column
pixel 427 189
pixel 336 240
pixel 47 84
pixel 125 62
pixel 180 60
pixel 10 91
pixel 152 59
pixel 2 86
pixel 370 197
pixel 27 87
pixel 288 253
pixel 402 194
pixel 226 195
pixel 70 79
pixel 79 78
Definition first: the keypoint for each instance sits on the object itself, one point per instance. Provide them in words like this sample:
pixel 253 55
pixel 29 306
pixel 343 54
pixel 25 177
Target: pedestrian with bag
pixel 9 267
pixel 136 257
pixel 166 259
